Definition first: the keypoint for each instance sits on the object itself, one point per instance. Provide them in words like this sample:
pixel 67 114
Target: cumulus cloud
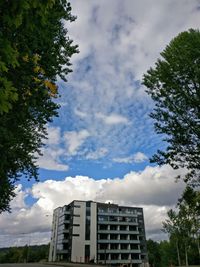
pixel 153 189
pixel 136 158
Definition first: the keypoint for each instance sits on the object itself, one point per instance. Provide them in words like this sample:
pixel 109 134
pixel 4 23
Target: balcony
pixel 64 251
pixel 107 241
pixel 122 214
pixel 118 232
pixel 117 222
pixel 65 231
pixel 65 241
pixel 121 251
pixel 120 261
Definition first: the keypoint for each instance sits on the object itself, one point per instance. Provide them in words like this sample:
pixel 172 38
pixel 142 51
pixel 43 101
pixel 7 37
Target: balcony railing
pixel 118 241
pixel 120 261
pixel 117 222
pixel 121 251
pixel 121 213
pixel 118 232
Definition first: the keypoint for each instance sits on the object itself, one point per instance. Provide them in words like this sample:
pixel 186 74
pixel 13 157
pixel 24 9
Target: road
pixel 46 265
pixel 27 265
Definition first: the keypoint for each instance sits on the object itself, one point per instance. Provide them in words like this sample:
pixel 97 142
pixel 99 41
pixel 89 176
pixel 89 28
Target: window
pixel 87 229
pixel 75 235
pixel 87 252
pixel 77 206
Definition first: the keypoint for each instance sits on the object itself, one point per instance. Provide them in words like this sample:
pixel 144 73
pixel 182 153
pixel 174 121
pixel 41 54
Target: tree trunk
pixel 178 254
pixel 198 245
pixel 186 256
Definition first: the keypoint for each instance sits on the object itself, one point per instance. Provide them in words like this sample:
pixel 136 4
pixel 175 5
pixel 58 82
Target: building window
pixel 77 206
pixel 87 253
pixel 75 235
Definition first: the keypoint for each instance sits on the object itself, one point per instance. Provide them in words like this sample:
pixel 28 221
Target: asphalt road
pixel 27 265
pixel 45 265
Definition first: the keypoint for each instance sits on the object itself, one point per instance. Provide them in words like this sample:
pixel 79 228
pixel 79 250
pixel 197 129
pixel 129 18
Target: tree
pixel 174 85
pixel 189 206
pixel 172 227
pixel 183 226
pixel 34 51
pixel 153 253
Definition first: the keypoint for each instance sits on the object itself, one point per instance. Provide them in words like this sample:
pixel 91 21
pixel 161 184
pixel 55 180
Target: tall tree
pixel 34 51
pixel 172 227
pixel 183 226
pixel 189 205
pixel 174 85
pixel 153 253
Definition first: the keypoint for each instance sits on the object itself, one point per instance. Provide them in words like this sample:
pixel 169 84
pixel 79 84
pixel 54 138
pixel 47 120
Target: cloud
pixel 97 154
pixel 153 189
pixel 52 152
pixel 74 140
pixel 80 113
pixel 136 158
pixel 51 159
pixel 118 42
pixel 53 136
pixel 112 119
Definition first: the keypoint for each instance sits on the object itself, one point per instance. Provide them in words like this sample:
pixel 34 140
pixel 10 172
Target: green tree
pixel 167 253
pixel 172 227
pixel 174 85
pixel 34 51
pixel 189 207
pixel 153 253
pixel 183 227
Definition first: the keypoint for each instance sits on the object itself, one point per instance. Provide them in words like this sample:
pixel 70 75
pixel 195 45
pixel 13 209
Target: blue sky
pixel 99 146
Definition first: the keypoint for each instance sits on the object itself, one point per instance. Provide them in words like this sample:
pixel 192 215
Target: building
pixel 87 231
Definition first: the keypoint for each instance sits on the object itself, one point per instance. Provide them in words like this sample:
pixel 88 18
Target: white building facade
pixel 87 231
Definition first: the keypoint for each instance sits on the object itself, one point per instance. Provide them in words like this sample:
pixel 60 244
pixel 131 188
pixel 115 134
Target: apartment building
pixel 87 231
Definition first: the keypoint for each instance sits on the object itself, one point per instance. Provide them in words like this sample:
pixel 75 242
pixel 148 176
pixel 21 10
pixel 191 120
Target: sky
pixel 99 147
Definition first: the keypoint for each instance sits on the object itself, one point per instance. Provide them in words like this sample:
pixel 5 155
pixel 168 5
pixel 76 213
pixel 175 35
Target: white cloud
pixel 80 113
pixel 119 41
pixel 154 189
pixel 53 136
pixel 74 140
pixel 52 153
pixel 97 154
pixel 136 158
pixel 112 118
pixel 51 159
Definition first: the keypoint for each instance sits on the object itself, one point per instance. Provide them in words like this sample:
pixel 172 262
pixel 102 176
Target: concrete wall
pixel 54 235
pixel 93 232
pixel 78 242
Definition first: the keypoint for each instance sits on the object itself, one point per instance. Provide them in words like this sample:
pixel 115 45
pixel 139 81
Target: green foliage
pixel 174 85
pixel 34 51
pixel 183 227
pixel 24 254
pixel 154 254
pixel 168 254
pixel 164 254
